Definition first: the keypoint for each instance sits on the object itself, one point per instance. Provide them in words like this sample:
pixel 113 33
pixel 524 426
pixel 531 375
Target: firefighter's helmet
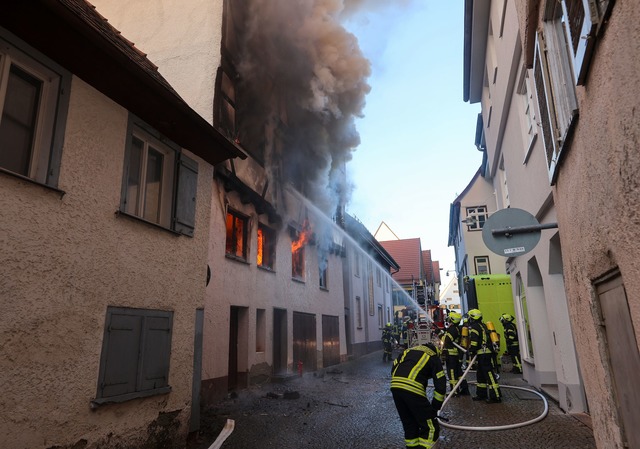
pixel 388 324
pixel 475 315
pixel 454 317
pixel 506 318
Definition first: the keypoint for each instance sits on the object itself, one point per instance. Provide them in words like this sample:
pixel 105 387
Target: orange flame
pixel 303 238
pixel 260 246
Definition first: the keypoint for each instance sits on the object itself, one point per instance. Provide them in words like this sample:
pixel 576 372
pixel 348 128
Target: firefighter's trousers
pixel 421 428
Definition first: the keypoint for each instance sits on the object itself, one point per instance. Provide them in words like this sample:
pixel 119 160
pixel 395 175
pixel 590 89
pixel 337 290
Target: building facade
pixel 275 293
pixel 105 191
pixel 579 130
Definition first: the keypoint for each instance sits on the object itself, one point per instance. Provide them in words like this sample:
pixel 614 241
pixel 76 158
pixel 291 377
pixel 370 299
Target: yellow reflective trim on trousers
pixel 413 442
pixel 438 396
pixel 430 440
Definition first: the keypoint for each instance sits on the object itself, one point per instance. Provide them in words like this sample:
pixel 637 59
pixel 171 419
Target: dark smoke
pixel 309 81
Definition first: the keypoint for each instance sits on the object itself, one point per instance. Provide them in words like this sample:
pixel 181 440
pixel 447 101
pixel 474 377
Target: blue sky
pixel 417 149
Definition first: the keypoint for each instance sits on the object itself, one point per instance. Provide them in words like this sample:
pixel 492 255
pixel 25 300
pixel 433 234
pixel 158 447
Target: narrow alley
pixel 349 406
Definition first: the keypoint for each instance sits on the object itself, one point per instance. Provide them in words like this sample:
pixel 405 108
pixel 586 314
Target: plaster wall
pixel 597 200
pixel 181 38
pixel 64 259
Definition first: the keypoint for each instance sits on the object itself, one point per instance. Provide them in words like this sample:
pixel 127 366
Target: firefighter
pixel 451 338
pixel 487 387
pixel 511 339
pixel 410 373
pixel 387 343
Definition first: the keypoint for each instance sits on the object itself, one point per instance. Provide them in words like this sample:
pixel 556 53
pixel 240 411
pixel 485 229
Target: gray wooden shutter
pixel 122 351
pixel 154 372
pixel 185 210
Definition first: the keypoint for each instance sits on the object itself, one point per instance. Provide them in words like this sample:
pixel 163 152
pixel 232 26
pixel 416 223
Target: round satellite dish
pixel 510 244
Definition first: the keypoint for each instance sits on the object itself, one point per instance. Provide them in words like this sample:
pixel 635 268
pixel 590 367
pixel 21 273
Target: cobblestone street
pixel 349 406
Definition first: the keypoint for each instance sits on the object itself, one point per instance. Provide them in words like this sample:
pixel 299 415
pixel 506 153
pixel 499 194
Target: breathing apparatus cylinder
pixel 464 337
pixel 493 335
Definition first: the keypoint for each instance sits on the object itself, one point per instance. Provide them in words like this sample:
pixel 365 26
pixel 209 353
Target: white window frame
pixel 555 86
pixel 476 212
pixel 46 148
pixel 168 175
pixel 179 181
pixel 529 117
pixel 482 261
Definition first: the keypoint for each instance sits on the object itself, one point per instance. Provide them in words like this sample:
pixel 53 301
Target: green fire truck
pixel 491 293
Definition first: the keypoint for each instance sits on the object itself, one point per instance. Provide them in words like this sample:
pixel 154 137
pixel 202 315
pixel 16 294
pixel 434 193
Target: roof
pixel 370 245
pixel 431 268
pixel 77 37
pixel 428 266
pixel 408 254
pixel 476 27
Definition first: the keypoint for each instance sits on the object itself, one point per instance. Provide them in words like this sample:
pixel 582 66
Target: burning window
pixel 236 244
pixel 266 247
pixel 297 251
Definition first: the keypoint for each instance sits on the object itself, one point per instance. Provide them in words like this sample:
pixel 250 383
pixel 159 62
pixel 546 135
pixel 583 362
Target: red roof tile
pixel 408 254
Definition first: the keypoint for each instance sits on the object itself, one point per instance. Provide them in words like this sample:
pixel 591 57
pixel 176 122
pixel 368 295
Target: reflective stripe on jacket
pixel 413 369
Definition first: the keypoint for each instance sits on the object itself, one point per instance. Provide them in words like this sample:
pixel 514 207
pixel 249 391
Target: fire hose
pixel 443 422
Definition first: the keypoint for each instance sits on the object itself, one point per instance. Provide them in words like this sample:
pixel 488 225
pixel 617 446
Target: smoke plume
pixel 309 81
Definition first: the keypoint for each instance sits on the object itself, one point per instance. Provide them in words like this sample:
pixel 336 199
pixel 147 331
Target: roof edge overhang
pixel 476 25
pixel 60 30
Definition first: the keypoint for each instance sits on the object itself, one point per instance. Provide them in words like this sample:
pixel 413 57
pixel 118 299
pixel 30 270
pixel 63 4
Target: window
pixel 136 349
pixel 378 277
pixel 160 182
pixel 527 352
pixel 482 265
pixel 297 255
pixel 583 20
pixel 33 108
pixel 358 313
pixel 555 86
pixel 380 317
pixel 266 256
pixel 356 263
pixel 226 105
pixel 476 216
pixel 504 186
pixel 323 264
pixel 370 285
pixel 236 240
pixel 529 117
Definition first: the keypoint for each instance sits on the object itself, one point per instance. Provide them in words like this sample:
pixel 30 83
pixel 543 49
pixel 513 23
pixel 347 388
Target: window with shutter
pixel 159 183
pixel 34 101
pixel 554 83
pixel 185 210
pixel 582 21
pixel 136 349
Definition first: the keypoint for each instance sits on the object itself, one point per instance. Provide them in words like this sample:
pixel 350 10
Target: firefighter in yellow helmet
pixel 387 343
pixel 410 373
pixel 453 360
pixel 487 387
pixel 511 339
